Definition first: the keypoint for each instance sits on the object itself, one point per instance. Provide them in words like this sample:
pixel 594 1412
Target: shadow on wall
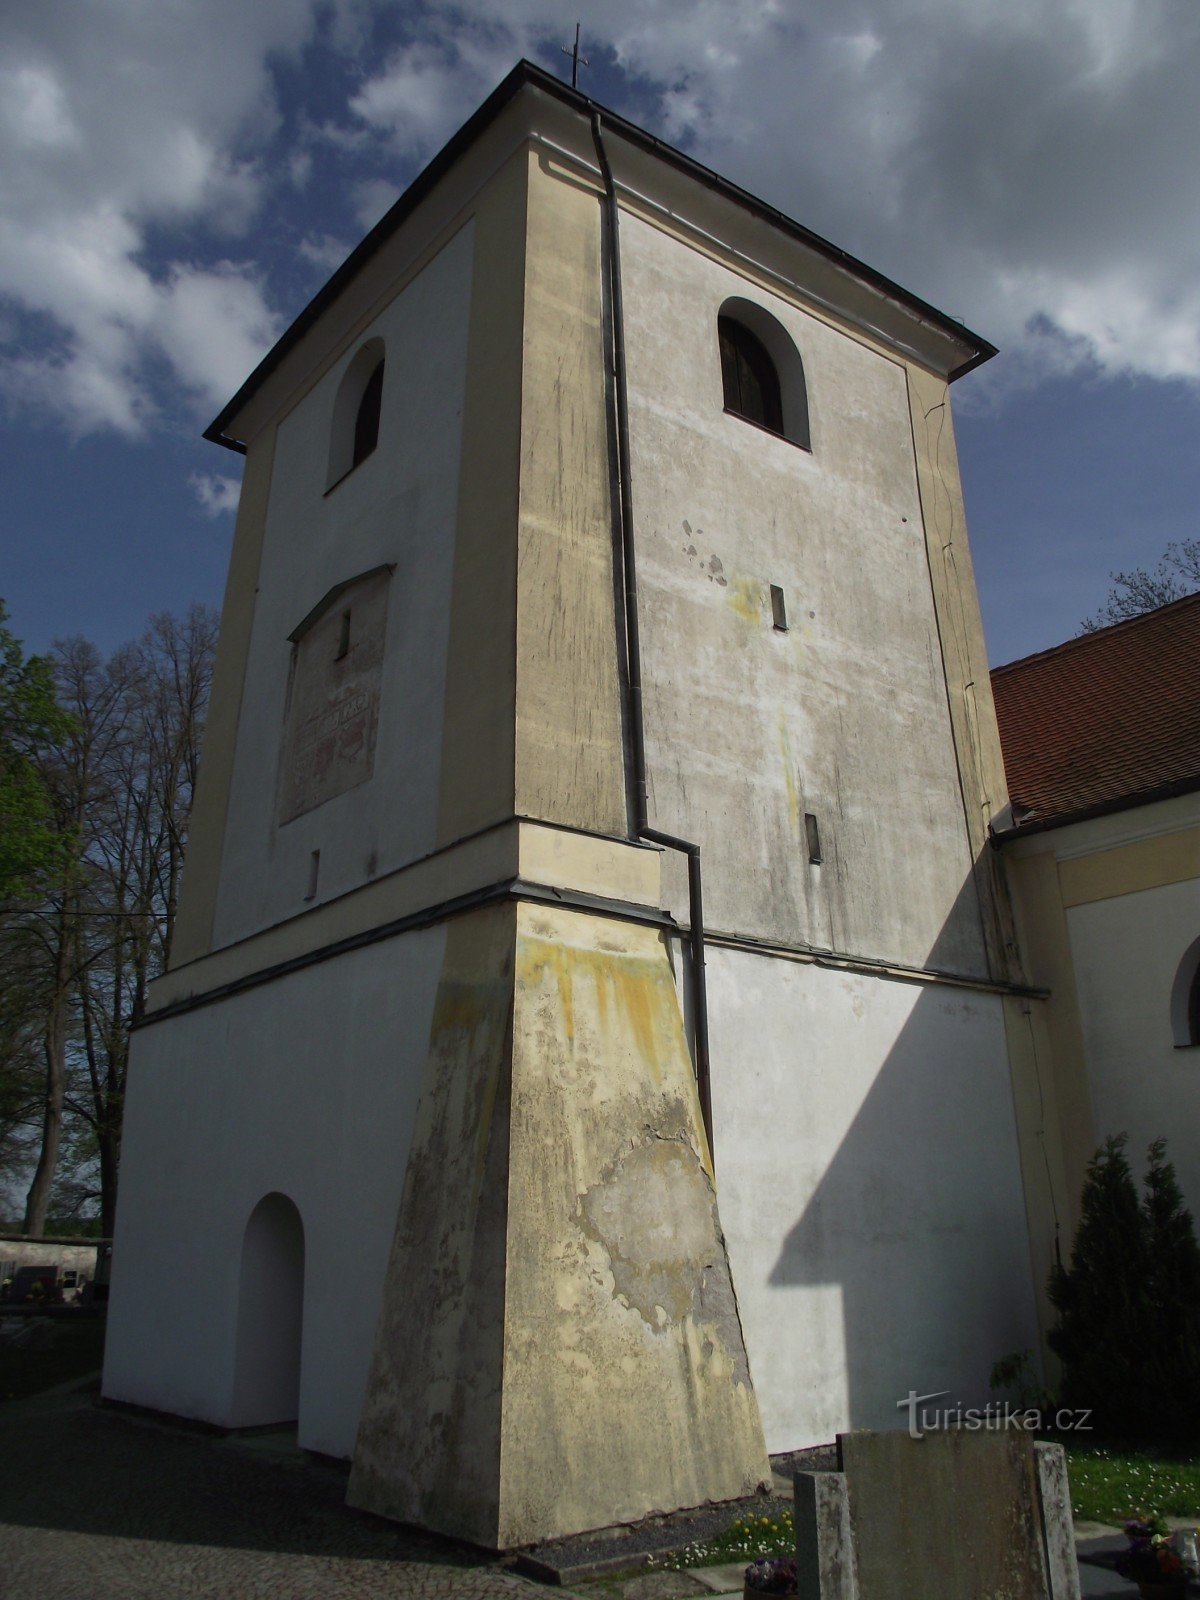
pixel 892 1140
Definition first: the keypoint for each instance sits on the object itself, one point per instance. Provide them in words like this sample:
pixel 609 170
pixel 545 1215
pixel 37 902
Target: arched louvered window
pixel 366 421
pixel 748 375
pixel 762 375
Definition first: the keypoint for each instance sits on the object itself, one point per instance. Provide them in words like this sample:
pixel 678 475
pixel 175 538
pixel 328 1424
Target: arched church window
pixel 356 412
pixel 1185 998
pixel 762 375
pixel 366 421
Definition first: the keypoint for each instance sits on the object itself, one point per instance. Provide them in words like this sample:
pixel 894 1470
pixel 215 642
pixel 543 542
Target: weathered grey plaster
pixel 1058 1522
pixel 826 1568
pixel 843 716
pixel 428 1447
pixel 954 1513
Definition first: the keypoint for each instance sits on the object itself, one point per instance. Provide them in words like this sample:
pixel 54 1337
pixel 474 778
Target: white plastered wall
pixel 307 1086
pixel 844 715
pixel 398 506
pixel 1126 951
pixel 870 1190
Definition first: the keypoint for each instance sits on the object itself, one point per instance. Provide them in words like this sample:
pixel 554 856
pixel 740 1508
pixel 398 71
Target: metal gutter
pixel 999 837
pixel 625 556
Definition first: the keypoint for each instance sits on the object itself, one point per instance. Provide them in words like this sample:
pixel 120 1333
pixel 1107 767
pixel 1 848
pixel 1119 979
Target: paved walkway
pixel 99 1505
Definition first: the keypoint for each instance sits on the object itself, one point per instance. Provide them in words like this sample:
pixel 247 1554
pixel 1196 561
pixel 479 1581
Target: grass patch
pixel 59 1350
pixel 744 1540
pixel 1110 1484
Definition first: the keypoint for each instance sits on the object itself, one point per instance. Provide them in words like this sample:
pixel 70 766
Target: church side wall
pixel 870 1190
pixel 1123 894
pixel 306 1086
pixel 1126 952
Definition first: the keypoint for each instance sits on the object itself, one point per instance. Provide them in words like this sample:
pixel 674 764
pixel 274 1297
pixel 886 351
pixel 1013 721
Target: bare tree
pixel 1176 575
pixel 136 855
pixel 77 774
pixel 123 783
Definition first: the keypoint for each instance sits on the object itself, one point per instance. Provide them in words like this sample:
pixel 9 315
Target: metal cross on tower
pixel 576 59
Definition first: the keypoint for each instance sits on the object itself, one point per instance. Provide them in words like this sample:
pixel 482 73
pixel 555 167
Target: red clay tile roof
pixel 1105 721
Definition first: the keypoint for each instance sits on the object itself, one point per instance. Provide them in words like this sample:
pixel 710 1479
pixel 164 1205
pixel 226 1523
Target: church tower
pixel 591 828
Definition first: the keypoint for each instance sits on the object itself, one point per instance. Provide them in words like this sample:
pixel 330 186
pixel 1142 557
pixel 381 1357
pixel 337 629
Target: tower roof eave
pixel 974 349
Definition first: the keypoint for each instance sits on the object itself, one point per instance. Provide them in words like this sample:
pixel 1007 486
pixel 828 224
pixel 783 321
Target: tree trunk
pixel 55 1050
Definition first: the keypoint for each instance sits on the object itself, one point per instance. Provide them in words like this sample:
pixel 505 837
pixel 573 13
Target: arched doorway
pixel 270 1315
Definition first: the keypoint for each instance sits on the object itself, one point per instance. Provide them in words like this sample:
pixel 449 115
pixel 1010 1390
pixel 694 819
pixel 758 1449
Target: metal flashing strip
pixel 507 890
pixel 869 966
pixel 521 890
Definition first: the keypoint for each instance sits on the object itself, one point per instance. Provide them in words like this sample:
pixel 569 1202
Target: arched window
pixel 356 412
pixel 762 375
pixel 1185 998
pixel 366 421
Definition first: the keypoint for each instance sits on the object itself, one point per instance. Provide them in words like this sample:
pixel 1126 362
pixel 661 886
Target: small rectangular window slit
pixel 314 870
pixel 813 835
pixel 778 609
pixel 343 648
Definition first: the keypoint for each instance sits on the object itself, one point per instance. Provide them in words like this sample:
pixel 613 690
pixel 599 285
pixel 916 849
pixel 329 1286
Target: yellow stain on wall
pixel 745 595
pixel 626 994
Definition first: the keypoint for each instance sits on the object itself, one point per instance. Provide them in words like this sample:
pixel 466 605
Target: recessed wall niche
pixel 332 717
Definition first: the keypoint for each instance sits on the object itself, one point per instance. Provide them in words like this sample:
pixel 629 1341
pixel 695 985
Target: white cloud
pixel 1029 168
pixel 372 198
pixel 217 495
pixel 116 117
pixel 324 251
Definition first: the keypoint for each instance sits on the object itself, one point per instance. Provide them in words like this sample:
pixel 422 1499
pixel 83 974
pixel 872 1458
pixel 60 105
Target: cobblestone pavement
pixel 99 1505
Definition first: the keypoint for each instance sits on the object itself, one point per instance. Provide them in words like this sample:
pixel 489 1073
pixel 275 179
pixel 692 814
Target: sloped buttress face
pixel 613 1379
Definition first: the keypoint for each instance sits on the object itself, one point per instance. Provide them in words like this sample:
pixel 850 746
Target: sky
pixel 179 177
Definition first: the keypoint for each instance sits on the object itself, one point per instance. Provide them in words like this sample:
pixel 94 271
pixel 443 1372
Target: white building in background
pixel 1101 743
pixel 598 523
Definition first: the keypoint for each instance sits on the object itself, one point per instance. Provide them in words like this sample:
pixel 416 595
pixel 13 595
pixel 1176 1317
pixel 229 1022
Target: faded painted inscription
pixel 333 702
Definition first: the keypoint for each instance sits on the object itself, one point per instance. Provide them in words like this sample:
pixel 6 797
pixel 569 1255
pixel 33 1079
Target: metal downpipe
pixel 627 556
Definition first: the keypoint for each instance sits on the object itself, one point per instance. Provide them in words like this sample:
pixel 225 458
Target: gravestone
pixel 976 1515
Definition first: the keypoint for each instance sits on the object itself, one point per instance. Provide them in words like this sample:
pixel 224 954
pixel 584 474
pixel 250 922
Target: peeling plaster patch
pixel 654 1215
pixel 713 569
pixel 651 1213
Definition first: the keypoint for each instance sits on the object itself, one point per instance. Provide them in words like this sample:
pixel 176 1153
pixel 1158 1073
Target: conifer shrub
pixel 1128 1327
